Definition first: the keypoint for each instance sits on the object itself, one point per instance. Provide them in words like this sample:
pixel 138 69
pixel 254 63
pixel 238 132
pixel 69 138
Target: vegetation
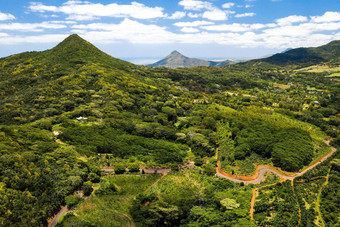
pixel 72 110
pixel 111 208
pixel 276 206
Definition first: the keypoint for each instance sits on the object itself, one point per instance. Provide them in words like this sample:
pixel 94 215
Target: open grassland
pixel 319 69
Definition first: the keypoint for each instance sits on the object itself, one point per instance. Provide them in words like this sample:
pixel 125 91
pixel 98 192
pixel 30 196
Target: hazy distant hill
pixel 305 56
pixel 178 60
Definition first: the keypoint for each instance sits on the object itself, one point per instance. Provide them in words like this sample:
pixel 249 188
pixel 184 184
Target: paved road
pixel 262 169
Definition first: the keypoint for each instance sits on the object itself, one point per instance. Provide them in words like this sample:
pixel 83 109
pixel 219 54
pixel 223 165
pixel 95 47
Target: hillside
pixel 177 60
pixel 74 118
pixel 306 56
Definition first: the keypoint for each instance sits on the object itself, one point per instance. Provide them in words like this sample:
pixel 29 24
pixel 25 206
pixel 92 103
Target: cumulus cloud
pixel 85 10
pixel 215 14
pixel 228 5
pixel 291 19
pixel 32 39
pixel 31 27
pixel 177 15
pixel 236 27
pixel 211 12
pixel 245 15
pixel 193 23
pixel 292 31
pixel 194 15
pixel 195 5
pixel 127 30
pixel 327 17
pixel 190 30
pixel 6 16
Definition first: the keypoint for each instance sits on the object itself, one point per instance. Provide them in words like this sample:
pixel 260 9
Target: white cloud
pixel 6 16
pixel 32 39
pixel 193 23
pixel 194 15
pixel 127 30
pixel 86 10
pixel 62 22
pixel 291 19
pixel 78 17
pixel 228 27
pixel 189 30
pixel 215 14
pixel 211 12
pixel 39 7
pixel 327 17
pixel 31 27
pixel 195 5
pixel 236 27
pixel 177 15
pixel 291 31
pixel 228 5
pixel 245 15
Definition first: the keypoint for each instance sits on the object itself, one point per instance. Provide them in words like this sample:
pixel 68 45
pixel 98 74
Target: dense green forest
pixel 70 111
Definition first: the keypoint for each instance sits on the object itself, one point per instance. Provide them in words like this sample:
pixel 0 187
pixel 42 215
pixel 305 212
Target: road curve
pixel 55 220
pixel 258 176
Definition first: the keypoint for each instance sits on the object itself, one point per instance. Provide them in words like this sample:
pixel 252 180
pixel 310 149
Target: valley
pixel 248 144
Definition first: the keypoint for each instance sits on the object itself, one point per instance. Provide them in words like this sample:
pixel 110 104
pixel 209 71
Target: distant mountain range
pixel 305 56
pixel 301 57
pixel 178 60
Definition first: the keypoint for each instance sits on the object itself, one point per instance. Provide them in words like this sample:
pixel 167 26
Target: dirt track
pixel 56 218
pixel 258 176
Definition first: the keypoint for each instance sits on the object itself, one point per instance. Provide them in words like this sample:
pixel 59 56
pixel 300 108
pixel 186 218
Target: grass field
pixel 334 75
pixel 319 68
pixel 113 210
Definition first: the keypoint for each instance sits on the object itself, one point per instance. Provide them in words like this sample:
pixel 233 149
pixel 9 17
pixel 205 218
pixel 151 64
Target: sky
pixel 143 31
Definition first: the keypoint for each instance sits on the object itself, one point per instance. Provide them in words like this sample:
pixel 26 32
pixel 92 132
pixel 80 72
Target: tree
pixel 133 167
pixel 87 188
pixel 209 169
pixel 106 187
pixel 119 168
pixel 93 177
pixel 229 204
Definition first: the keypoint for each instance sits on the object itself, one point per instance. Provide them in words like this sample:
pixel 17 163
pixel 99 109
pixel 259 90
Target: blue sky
pixel 143 31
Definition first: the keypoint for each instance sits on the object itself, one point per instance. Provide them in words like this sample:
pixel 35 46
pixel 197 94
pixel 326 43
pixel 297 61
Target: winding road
pixel 258 176
pixel 56 218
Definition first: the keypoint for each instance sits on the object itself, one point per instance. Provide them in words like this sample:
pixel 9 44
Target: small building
pixel 81 118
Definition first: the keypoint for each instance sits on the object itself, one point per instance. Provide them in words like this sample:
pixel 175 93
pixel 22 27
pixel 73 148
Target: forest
pixel 71 112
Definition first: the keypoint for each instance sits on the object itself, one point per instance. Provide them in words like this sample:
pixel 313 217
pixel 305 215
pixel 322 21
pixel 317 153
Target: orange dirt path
pixel 258 176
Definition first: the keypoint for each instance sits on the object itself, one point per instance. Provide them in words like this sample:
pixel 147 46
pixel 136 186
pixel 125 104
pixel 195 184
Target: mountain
pixel 177 60
pixel 72 112
pixel 305 56
pixel 50 77
pixel 286 50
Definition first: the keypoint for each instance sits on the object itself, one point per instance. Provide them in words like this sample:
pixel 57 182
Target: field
pixel 276 206
pixel 112 210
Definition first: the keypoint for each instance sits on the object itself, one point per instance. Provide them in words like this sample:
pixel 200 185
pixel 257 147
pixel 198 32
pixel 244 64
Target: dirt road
pixel 56 218
pixel 258 176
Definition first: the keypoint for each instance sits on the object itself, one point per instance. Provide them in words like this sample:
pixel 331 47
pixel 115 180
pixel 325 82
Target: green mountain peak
pixel 75 46
pixel 75 49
